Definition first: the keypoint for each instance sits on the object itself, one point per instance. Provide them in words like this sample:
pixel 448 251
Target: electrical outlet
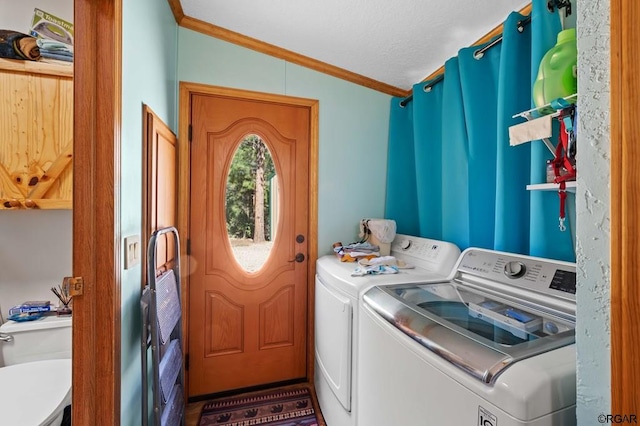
pixel 132 251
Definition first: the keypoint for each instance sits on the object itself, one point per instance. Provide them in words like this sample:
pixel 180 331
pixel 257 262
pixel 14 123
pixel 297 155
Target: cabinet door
pixel 36 136
pixel 160 197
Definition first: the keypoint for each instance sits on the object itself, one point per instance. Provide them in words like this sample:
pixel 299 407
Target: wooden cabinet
pixel 36 135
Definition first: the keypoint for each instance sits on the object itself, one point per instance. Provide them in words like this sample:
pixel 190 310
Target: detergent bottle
pixel 557 75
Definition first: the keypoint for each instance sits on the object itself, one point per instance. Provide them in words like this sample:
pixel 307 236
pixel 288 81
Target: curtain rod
pixel 478 54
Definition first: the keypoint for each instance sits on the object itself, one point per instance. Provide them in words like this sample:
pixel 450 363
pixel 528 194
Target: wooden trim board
pixel 36 67
pixel 625 205
pixel 96 212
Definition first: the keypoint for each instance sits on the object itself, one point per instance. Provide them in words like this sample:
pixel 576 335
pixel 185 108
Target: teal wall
pixel 149 58
pixel 593 326
pixel 353 126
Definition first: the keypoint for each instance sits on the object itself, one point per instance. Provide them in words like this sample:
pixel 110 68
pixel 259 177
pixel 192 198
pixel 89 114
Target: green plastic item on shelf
pixel 557 75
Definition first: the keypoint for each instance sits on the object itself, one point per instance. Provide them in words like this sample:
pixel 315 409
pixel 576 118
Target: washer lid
pixel 33 392
pixel 478 333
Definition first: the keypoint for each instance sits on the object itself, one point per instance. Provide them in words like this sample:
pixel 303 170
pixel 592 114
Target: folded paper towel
pixel 530 131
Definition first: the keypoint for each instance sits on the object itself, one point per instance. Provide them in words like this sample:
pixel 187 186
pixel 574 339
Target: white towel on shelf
pixel 538 128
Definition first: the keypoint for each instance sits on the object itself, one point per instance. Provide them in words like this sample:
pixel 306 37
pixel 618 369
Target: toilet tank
pixel 48 337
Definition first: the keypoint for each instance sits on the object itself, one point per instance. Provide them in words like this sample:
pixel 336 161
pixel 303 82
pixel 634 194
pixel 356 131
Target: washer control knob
pixel 405 244
pixel 515 269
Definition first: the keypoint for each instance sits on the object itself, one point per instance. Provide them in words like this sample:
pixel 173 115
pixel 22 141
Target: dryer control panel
pixel 432 255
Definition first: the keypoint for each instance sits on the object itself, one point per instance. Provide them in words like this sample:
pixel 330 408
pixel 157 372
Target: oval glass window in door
pixel 251 203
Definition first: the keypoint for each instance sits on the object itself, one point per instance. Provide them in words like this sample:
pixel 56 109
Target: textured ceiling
pixel 395 42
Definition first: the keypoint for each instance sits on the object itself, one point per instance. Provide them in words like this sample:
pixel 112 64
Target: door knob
pixel 299 258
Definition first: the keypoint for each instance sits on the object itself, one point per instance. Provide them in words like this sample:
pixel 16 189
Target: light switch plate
pixel 132 251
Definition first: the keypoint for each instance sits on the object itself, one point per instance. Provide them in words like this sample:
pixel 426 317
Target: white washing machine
pixel 336 316
pixel 491 346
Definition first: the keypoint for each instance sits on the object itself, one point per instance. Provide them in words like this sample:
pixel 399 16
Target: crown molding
pixel 176 9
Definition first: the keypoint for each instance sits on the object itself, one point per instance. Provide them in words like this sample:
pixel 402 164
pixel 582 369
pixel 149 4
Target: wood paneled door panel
pixel 160 180
pixel 247 317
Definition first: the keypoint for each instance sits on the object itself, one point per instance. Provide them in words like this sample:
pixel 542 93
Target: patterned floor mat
pixel 290 407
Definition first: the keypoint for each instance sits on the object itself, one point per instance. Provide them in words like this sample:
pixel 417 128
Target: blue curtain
pixel 428 128
pixel 452 174
pixel 513 163
pixel 455 160
pixel 401 198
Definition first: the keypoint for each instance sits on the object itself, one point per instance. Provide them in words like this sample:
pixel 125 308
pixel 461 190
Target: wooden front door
pixel 247 321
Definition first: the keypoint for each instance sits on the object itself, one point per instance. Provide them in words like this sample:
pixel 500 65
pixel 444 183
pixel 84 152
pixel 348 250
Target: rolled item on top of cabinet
pixel 16 45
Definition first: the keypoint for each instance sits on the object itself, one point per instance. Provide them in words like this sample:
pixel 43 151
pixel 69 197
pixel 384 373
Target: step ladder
pixel 162 331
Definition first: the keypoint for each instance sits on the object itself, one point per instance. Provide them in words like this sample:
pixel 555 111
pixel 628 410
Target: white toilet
pixel 35 381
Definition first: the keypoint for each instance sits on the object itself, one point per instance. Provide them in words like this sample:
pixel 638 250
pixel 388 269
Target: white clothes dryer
pixel 336 316
pixel 491 346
